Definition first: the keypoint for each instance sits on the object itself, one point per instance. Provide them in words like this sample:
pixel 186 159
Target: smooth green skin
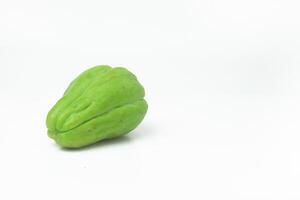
pixel 101 103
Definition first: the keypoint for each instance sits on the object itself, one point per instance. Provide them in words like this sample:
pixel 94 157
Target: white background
pixel 222 82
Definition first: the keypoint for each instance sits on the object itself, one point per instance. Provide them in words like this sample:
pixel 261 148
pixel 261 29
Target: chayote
pixel 101 103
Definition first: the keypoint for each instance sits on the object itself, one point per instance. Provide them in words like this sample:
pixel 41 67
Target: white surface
pixel 222 82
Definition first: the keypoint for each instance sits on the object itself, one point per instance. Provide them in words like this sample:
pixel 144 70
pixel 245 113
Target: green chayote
pixel 101 103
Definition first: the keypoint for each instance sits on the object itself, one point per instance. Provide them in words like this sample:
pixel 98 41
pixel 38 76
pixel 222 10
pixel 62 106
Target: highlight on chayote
pixel 101 103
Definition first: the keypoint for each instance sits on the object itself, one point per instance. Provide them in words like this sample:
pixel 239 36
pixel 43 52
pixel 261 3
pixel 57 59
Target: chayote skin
pixel 101 103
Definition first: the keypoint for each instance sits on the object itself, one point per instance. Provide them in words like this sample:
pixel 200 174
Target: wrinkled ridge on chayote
pixel 97 93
